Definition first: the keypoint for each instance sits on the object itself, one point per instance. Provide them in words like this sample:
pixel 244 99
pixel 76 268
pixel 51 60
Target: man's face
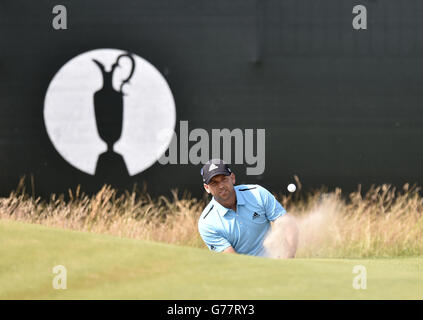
pixel 221 187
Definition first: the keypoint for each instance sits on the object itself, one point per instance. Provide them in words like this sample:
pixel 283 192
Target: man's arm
pixel 213 239
pixel 284 227
pixel 289 229
pixel 229 250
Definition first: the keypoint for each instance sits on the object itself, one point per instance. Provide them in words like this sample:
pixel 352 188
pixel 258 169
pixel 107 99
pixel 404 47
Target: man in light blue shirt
pixel 238 218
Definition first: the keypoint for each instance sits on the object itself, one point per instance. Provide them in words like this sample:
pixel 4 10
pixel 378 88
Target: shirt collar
pixel 222 210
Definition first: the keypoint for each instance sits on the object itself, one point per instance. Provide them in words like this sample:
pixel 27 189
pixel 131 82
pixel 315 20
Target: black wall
pixel 340 106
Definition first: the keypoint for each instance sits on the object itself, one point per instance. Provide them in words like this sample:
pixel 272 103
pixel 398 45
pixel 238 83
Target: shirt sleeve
pixel 213 239
pixel 272 207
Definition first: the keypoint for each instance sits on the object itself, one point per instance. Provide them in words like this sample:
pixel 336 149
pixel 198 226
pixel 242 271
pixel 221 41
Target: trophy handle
pixel 132 68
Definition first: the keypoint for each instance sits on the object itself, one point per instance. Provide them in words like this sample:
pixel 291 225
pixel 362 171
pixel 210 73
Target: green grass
pixel 108 267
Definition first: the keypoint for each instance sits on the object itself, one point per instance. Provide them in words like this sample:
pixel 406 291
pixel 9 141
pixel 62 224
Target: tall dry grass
pixel 131 214
pixel 382 222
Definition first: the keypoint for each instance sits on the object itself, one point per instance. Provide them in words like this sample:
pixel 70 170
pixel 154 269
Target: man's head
pixel 219 180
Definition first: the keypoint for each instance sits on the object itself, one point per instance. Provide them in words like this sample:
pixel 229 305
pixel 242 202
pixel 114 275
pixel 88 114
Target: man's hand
pixel 283 239
pixel 291 233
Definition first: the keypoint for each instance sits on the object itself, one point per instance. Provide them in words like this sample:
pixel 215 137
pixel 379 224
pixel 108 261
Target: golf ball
pixel 292 187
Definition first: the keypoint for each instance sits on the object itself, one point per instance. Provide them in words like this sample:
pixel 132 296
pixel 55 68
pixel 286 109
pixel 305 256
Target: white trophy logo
pixel 109 109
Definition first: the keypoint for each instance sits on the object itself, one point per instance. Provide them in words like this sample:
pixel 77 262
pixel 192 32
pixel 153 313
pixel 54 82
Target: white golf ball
pixel 292 187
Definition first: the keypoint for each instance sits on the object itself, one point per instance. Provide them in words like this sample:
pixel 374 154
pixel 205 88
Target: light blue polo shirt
pixel 245 229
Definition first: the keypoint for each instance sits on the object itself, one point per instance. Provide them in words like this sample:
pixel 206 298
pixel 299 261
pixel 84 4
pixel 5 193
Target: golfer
pixel 237 219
